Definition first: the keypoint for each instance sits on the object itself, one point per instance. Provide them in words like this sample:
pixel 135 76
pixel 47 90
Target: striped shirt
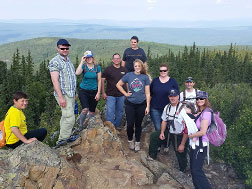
pixel 67 77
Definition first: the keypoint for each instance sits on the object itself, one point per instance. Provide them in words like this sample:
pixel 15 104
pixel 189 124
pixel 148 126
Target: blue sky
pixel 190 10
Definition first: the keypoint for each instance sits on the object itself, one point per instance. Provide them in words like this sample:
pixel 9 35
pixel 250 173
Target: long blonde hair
pixel 143 69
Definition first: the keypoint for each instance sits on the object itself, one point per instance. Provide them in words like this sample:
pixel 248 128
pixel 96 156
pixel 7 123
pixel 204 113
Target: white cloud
pixel 151 4
pixel 218 1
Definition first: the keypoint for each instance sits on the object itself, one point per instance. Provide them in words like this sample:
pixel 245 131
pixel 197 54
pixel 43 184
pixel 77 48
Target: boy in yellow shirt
pixel 15 124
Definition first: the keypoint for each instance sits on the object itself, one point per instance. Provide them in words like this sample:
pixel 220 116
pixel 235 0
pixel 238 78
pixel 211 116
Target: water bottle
pixel 76 108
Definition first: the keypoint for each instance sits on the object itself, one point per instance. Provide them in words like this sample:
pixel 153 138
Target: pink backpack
pixel 217 131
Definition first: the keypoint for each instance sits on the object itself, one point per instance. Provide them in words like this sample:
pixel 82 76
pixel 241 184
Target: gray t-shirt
pixel 136 84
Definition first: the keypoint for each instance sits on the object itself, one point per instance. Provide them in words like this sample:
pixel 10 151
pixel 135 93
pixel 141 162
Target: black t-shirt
pixel 113 75
pixel 130 55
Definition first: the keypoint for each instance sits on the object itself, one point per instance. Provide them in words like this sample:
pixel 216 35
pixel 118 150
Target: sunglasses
pixel 64 49
pixel 200 98
pixel 163 70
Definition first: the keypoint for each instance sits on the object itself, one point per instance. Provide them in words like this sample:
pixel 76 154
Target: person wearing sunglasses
pixel 159 89
pixel 198 152
pixel 64 82
pixel 133 53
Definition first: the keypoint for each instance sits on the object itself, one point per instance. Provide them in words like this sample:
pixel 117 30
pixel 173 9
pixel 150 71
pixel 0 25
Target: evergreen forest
pixel 224 74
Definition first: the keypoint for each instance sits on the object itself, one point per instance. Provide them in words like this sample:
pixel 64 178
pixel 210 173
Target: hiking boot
pixel 73 138
pixel 131 145
pixel 137 146
pixel 60 143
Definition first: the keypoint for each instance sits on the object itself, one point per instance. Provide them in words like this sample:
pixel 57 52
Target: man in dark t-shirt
pixel 114 98
pixel 133 53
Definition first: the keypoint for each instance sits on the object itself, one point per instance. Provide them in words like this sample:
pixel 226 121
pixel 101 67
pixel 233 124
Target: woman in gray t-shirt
pixel 138 101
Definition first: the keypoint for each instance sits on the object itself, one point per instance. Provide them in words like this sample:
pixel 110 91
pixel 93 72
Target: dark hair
pixel 18 95
pixel 134 37
pixel 116 54
pixel 164 65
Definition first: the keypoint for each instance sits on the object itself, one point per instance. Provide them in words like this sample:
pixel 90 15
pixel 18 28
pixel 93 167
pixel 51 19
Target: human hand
pixel 30 140
pixel 104 96
pixel 147 110
pixel 97 97
pixel 161 136
pixel 129 93
pixel 181 148
pixel 62 101
pixel 83 59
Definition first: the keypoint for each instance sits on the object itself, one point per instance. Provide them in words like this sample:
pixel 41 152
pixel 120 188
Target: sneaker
pixel 60 143
pixel 166 150
pixel 131 145
pixel 137 146
pixel 73 138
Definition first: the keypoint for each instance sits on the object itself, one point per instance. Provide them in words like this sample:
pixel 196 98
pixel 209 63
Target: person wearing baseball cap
pixel 90 86
pixel 189 94
pixel 172 128
pixel 64 82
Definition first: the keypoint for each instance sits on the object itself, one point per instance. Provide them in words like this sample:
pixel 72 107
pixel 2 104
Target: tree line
pixel 225 75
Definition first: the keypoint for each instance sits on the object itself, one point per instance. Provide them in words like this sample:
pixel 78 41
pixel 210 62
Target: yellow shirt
pixel 14 118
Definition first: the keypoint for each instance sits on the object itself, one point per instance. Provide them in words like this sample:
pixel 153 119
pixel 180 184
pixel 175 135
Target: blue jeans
pixel 114 110
pixel 156 118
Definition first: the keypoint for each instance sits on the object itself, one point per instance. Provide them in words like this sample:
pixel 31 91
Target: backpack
pixel 184 95
pixel 2 135
pixel 217 131
pixel 85 69
pixel 173 126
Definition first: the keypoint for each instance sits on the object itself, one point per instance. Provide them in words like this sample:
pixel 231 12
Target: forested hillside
pixel 226 75
pixel 45 48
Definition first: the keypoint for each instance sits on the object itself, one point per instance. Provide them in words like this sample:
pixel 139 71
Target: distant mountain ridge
pixel 16 31
pixel 44 48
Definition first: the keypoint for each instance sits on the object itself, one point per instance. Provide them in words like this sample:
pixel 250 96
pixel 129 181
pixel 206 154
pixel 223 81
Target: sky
pixel 126 10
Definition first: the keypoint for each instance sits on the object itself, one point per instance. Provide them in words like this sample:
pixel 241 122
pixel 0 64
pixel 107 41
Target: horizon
pixel 141 10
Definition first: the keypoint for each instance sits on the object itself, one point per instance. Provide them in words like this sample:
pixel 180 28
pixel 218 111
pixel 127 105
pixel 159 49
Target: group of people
pixel 125 83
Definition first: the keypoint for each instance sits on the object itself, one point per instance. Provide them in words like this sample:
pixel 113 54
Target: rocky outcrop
pixel 99 158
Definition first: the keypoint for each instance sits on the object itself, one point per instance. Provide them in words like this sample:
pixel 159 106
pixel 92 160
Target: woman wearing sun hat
pixel 198 153
pixel 90 87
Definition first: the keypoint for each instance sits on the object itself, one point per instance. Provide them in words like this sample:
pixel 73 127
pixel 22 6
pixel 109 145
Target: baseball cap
pixel 173 92
pixel 88 54
pixel 63 42
pixel 201 94
pixel 189 79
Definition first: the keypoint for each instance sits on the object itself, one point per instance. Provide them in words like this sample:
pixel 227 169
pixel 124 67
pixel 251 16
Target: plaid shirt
pixel 67 77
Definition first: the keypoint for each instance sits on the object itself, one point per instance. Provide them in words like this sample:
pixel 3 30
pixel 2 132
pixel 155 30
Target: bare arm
pixel 97 97
pixel 119 86
pixel 182 144
pixel 147 93
pixel 203 129
pixel 19 135
pixel 79 70
pixel 123 63
pixel 104 95
pixel 56 85
pixel 163 127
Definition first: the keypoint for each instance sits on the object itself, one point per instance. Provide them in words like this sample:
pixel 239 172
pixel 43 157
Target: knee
pixel 43 131
pixel 84 111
